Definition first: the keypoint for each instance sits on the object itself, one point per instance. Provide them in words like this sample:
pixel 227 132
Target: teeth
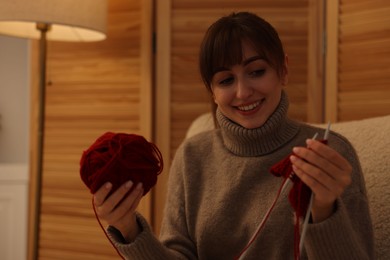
pixel 249 107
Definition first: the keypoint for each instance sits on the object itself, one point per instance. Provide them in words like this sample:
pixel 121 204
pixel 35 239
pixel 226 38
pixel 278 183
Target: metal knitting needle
pixel 308 212
pixel 326 135
pixel 286 183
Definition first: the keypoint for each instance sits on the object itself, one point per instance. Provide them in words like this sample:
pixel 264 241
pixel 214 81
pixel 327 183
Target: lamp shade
pixel 69 20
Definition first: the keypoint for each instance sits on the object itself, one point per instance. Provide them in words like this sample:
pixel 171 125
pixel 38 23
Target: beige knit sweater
pixel 220 188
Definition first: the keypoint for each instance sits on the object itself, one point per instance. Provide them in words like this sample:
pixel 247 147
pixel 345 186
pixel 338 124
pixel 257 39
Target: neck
pixel 274 133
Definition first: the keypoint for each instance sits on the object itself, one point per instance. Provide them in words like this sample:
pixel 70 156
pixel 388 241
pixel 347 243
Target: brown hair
pixel 221 45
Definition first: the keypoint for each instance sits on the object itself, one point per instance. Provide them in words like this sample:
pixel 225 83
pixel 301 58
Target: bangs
pixel 227 50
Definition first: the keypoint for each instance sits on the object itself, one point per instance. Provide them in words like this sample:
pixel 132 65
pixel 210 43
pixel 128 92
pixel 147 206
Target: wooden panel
pixel 91 88
pixel 364 59
pixel 315 62
pixel 180 87
pixel 331 67
pixel 163 97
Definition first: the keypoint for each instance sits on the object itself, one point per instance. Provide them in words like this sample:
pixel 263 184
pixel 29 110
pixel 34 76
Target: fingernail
pixel 128 184
pixel 293 158
pixel 108 185
pixel 140 188
pixel 296 149
pixel 309 141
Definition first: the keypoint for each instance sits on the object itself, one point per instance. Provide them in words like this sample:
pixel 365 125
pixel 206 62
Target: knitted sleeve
pixel 347 234
pixel 145 247
pixel 174 242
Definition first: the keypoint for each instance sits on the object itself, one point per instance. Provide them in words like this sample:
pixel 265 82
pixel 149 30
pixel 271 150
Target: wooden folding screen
pixel 358 59
pixel 91 88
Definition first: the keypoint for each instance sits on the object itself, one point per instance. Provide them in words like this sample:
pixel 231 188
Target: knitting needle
pixel 286 183
pixel 326 135
pixel 308 212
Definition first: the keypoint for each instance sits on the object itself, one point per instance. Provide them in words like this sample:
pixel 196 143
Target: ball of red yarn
pixel 118 158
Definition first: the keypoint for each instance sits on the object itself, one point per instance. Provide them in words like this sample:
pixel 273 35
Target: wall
pixel 14 100
pixel 14 144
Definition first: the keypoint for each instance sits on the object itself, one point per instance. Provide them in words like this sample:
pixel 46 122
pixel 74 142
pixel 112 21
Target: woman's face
pixel 248 93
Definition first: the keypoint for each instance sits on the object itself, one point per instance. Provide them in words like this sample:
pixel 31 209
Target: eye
pixel 257 73
pixel 223 78
pixel 226 81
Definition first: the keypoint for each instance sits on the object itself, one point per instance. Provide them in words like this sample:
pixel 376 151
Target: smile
pixel 251 106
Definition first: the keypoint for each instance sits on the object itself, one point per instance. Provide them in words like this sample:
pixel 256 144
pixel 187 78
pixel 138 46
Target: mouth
pixel 250 107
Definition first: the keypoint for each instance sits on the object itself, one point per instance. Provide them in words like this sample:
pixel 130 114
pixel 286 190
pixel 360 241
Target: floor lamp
pixel 61 20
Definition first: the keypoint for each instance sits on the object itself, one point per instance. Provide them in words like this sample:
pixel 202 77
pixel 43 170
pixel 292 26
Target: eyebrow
pixel 244 63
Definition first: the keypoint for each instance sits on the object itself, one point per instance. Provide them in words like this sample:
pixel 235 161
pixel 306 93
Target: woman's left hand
pixel 325 172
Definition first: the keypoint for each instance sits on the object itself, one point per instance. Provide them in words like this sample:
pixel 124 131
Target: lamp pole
pixel 43 28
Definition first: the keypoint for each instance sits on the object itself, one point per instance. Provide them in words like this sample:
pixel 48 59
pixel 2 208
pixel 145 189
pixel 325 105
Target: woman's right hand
pixel 118 210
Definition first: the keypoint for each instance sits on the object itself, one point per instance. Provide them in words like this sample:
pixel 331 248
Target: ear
pixel 285 71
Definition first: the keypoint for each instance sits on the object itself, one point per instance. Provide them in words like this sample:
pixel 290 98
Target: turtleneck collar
pixel 274 133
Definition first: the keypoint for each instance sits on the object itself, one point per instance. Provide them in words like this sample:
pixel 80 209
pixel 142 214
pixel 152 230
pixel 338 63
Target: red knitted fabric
pixel 299 195
pixel 120 157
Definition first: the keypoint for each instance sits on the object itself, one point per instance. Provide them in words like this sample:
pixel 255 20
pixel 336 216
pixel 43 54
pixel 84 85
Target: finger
pixel 135 202
pixel 140 194
pixel 113 200
pixel 335 164
pixel 100 196
pixel 329 153
pixel 324 193
pixel 128 221
pixel 312 176
pixel 317 160
pixel 323 197
pixel 128 205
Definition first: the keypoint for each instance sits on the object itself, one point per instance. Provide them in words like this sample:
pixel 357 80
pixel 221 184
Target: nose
pixel 244 89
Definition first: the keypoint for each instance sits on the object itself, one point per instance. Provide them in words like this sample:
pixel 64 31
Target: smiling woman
pixel 219 180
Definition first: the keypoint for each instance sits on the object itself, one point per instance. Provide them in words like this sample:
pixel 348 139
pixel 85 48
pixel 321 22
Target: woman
pixel 220 186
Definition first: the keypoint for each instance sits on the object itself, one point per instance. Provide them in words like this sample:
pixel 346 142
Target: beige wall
pixel 14 100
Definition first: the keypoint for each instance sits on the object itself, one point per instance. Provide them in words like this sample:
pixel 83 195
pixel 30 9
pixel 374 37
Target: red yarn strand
pixel 262 224
pixel 104 231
